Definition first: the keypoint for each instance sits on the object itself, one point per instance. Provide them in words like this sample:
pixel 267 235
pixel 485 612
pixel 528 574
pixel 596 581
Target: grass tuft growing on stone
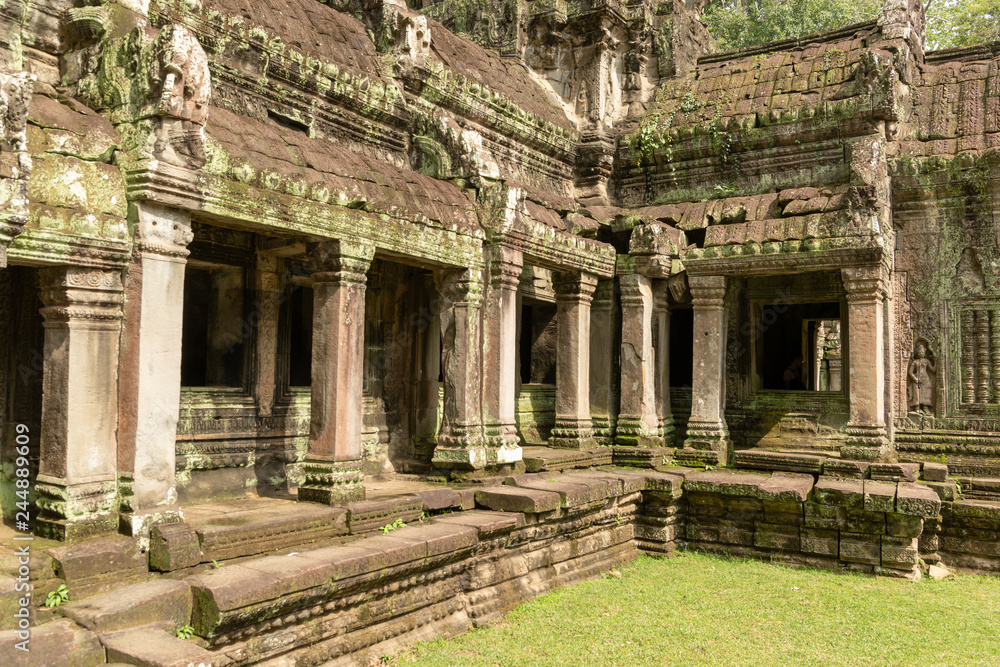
pixel 702 610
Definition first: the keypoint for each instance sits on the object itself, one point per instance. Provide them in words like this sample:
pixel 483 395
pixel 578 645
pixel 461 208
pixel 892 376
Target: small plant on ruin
pixel 389 527
pixel 57 597
pixel 216 564
pixel 185 632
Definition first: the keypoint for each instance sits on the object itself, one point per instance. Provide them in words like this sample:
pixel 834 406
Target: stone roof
pixel 275 158
pixel 507 76
pixel 307 26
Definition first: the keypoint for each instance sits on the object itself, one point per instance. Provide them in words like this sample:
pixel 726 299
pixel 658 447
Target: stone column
pixel 603 397
pixel 499 357
pixel 267 304
pixel 573 428
pixel 661 356
pixel 707 433
pixel 333 460
pixel 428 351
pixel 150 375
pixel 638 423
pixel 460 440
pixel 866 290
pixel 76 483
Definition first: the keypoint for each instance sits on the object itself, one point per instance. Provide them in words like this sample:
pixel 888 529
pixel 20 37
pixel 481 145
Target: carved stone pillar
pixel 573 428
pixel 707 433
pixel 661 355
pixel 428 351
pixel 333 460
pixel 603 397
pixel 638 423
pixel 269 294
pixel 460 440
pixel 150 374
pixel 500 356
pixel 76 484
pixel 866 431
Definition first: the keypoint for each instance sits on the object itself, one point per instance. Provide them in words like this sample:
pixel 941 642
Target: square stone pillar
pixel 460 443
pixel 573 428
pixel 428 351
pixel 265 315
pixel 661 357
pixel 603 394
pixel 333 460
pixel 503 445
pixel 76 484
pixel 865 366
pixel 150 376
pixel 638 422
pixel 707 434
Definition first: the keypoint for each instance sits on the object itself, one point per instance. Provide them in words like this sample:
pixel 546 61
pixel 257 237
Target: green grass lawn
pixel 702 610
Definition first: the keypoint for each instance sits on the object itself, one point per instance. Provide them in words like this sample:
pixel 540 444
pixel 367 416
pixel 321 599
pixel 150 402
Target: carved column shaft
pixel 151 365
pixel 76 482
pixel 500 355
pixel 638 423
pixel 661 354
pixel 573 428
pixel 333 460
pixel 460 440
pixel 269 295
pixel 707 427
pixel 603 399
pixel 866 291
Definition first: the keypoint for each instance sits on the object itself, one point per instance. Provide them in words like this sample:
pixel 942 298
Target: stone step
pixel 154 646
pixel 98 565
pixel 59 642
pixel 226 535
pixel 144 603
pixel 763 459
pixel 551 459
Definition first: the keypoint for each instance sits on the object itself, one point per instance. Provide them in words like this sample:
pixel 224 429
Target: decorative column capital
pixel 574 286
pixel 344 262
pixel 161 230
pixel 864 283
pixel 707 291
pixel 81 293
pixel 631 286
pixel 460 286
pixel 604 296
pixel 506 266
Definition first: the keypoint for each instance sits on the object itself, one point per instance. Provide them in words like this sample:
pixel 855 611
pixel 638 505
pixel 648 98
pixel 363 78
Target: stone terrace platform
pixel 277 582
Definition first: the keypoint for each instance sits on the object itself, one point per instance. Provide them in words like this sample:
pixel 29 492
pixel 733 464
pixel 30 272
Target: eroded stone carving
pixel 921 376
pixel 15 161
pixel 180 86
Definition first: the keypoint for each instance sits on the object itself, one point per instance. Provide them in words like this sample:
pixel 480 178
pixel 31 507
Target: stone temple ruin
pixel 273 272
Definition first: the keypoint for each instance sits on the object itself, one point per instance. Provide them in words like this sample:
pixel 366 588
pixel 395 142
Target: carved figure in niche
pixel 583 101
pixel 920 379
pixel 179 76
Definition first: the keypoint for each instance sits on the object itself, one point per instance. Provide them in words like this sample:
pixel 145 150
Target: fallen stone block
pixel 173 546
pixel 160 600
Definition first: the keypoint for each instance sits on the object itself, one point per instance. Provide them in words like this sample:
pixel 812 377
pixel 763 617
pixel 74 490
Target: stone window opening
pixel 216 330
pixel 681 343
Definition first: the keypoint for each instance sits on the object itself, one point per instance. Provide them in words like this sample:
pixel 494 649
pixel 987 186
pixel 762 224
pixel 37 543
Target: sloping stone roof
pixel 275 158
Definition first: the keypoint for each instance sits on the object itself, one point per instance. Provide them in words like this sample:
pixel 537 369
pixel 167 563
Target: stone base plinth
pixel 867 444
pixel 710 438
pixel 332 482
pixel 75 512
pixel 644 456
